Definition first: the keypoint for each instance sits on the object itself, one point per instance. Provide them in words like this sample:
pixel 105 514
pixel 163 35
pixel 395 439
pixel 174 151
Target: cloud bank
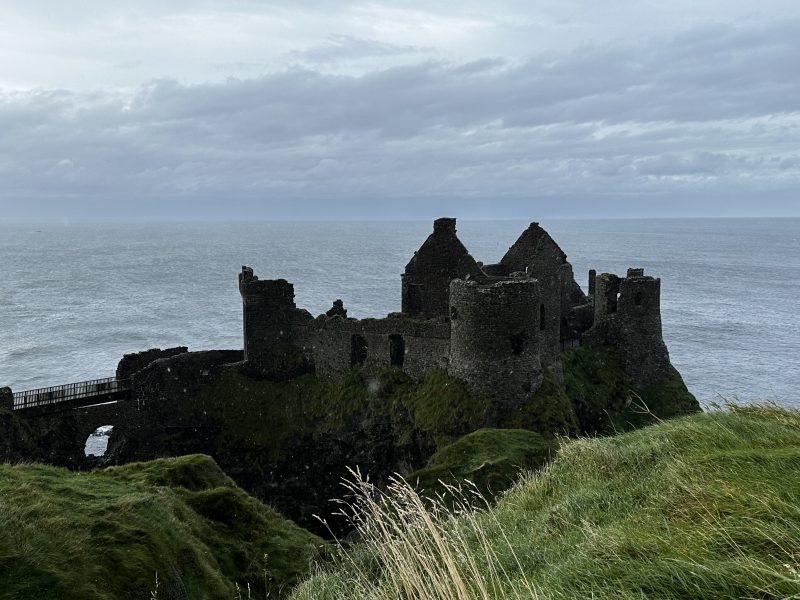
pixel 655 124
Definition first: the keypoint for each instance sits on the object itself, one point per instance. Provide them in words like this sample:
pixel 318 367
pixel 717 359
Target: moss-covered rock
pixel 604 401
pixel 549 411
pixel 109 534
pixel 491 459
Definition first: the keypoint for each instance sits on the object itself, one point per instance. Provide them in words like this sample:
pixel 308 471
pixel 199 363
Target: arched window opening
pixel 97 442
pixel 613 301
pixel 397 350
pixel 358 350
pixel 542 321
pixel 638 299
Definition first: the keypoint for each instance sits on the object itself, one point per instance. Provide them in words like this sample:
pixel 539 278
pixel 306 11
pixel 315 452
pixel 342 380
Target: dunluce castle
pixel 496 333
pixel 498 327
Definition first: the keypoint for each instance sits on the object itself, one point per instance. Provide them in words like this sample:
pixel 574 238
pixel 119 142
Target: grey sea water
pixel 75 297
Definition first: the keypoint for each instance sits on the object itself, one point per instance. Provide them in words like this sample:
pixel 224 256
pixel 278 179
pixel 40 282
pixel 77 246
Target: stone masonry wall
pixel 628 316
pixel 536 253
pixel 6 398
pixel 269 315
pixel 495 339
pixel 338 344
pixel 131 363
pixel 427 277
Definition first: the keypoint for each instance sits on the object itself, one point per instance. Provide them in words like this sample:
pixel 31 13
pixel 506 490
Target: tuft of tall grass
pixel 410 546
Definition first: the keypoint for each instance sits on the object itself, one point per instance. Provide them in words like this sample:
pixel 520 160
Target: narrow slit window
pixel 397 350
pixel 358 350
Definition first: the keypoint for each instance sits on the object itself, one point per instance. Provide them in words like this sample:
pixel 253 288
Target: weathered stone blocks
pixel 495 338
pixel 6 398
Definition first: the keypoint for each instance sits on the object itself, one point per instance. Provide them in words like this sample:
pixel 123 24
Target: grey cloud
pixel 345 47
pixel 712 110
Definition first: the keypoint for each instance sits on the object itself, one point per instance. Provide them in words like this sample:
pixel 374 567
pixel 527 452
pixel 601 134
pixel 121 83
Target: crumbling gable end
pixel 440 260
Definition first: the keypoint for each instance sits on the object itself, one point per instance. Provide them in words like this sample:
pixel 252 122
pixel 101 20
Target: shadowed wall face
pixel 628 317
pixel 426 281
pixel 268 315
pixel 495 334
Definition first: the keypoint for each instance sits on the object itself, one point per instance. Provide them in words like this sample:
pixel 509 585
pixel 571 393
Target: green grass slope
pixel 704 506
pixel 106 534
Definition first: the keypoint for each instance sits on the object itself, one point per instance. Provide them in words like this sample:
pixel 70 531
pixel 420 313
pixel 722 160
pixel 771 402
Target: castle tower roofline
pixel 440 259
pixel 444 225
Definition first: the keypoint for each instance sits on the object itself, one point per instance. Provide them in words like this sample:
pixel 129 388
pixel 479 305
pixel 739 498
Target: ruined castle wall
pixel 495 339
pixel 628 317
pixel 131 363
pixel 180 376
pixel 496 270
pixel 536 253
pixel 269 316
pixel 6 398
pixel 646 355
pixel 417 346
pixel 548 270
pixel 427 277
pixel 577 314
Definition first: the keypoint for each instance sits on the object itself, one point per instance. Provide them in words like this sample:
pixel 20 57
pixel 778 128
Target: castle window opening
pixel 518 343
pixel 542 321
pixel 358 350
pixel 613 301
pixel 397 350
pixel 638 299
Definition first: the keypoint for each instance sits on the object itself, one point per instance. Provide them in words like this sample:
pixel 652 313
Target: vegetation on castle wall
pixel 603 401
pixel 549 411
pixel 704 507
pixel 268 413
pixel 108 533
pixel 290 442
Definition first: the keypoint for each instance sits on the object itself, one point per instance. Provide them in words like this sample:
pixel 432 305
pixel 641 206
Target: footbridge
pixel 72 395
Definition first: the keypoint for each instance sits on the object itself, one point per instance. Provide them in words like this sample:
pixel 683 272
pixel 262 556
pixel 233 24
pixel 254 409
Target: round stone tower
pixel 495 336
pixel 628 317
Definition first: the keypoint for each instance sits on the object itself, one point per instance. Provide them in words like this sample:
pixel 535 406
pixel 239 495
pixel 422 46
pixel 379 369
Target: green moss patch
pixel 489 458
pixel 549 411
pixel 271 414
pixel 603 401
pixel 108 534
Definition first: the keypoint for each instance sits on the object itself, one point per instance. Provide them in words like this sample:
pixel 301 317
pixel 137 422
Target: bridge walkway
pixel 72 395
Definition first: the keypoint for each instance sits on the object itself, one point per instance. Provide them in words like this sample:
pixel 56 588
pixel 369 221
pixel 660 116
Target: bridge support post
pixel 6 398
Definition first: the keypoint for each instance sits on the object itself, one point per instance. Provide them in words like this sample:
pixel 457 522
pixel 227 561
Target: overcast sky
pixel 321 109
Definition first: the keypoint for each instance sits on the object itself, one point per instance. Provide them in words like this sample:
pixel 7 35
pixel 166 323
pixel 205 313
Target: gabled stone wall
pixel 427 277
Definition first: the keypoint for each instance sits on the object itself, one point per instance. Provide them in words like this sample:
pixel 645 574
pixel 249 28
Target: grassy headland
pixel 107 534
pixel 705 506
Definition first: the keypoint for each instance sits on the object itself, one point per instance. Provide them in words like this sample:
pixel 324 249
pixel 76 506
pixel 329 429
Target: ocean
pixel 75 297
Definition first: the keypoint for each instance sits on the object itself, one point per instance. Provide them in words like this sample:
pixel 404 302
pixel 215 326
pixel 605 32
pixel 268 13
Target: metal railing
pixel 71 391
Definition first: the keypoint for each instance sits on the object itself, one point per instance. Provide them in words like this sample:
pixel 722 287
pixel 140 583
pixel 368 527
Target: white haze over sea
pixel 76 297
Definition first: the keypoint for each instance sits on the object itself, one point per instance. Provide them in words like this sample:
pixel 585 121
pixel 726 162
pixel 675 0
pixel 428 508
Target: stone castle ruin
pixel 500 328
